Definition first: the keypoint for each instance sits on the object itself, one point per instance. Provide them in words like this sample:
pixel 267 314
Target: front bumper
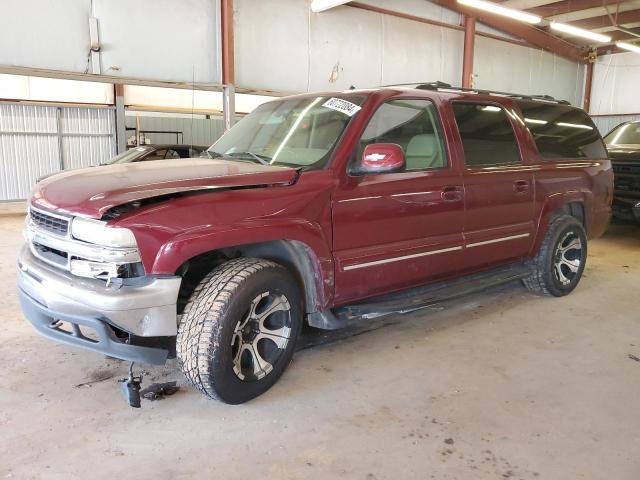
pixel 146 307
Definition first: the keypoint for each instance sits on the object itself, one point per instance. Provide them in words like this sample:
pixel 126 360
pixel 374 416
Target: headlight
pixel 97 232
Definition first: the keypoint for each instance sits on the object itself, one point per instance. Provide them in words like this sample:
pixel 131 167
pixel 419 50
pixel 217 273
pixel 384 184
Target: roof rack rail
pixel 445 86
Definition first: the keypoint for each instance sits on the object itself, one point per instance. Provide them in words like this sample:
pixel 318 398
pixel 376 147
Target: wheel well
pixel 576 210
pixel 297 257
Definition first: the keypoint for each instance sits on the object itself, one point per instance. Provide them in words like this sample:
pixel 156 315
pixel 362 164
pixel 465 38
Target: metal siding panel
pixel 607 123
pixel 88 136
pixel 513 68
pixel 28 148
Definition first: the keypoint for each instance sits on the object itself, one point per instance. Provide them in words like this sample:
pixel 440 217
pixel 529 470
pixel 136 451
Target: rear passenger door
pixel 499 197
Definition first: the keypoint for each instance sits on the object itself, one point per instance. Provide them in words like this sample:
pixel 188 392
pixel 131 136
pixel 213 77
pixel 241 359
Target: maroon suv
pixel 319 208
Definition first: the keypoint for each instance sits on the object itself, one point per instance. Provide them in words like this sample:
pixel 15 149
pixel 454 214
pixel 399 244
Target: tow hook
pixel 131 388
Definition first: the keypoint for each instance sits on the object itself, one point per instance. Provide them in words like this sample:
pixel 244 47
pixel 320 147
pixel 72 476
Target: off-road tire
pixel 206 330
pixel 543 279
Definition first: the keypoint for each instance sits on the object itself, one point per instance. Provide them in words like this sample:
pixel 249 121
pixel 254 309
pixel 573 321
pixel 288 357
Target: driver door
pixel 397 230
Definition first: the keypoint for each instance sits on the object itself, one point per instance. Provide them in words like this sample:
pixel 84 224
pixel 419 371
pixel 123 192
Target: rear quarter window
pixel 562 132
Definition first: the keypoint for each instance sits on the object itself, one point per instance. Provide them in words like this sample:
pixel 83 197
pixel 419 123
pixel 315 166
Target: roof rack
pixel 436 86
pixel 445 86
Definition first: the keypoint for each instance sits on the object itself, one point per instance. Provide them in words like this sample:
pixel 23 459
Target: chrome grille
pixel 50 223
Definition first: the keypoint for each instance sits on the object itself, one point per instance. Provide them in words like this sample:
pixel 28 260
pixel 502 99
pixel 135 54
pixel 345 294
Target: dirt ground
pixel 502 384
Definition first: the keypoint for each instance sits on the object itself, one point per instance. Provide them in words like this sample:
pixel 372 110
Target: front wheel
pixel 238 331
pixel 558 266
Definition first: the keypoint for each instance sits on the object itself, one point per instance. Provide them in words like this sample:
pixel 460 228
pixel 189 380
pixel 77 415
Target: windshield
pixel 298 132
pixel 127 156
pixel 625 134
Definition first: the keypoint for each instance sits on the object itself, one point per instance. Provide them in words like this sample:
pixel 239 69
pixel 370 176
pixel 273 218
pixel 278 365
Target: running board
pixel 416 298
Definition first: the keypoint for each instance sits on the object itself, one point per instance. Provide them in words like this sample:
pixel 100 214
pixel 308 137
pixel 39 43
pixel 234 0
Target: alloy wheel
pixel 567 258
pixel 261 336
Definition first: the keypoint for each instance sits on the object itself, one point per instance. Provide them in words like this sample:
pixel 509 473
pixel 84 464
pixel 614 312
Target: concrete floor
pixel 502 384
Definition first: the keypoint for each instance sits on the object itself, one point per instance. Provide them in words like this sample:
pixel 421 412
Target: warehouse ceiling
pixel 620 20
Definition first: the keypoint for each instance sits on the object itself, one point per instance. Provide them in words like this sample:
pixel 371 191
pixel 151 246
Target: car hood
pixel 624 152
pixel 91 192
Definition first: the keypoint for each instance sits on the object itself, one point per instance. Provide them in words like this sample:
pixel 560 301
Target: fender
pixel 299 241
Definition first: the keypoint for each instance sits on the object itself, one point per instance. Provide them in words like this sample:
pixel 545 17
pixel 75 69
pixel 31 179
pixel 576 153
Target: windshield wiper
pixel 263 159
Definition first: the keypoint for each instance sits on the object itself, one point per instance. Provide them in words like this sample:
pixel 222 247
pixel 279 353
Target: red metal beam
pixel 587 87
pixel 228 59
pixel 532 35
pixel 469 46
pixel 428 21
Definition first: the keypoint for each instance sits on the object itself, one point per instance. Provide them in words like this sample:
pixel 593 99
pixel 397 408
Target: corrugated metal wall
pixel 36 140
pixel 29 147
pixel 197 131
pixel 606 123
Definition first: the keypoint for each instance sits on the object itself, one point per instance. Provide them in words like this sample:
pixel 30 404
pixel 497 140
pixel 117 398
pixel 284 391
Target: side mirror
pixel 382 158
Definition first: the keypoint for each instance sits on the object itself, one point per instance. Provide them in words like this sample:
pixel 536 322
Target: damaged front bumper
pixel 107 319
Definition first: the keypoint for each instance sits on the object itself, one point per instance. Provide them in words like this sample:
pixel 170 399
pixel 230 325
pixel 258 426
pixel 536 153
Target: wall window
pixel 487 135
pixel 412 124
pixel 561 131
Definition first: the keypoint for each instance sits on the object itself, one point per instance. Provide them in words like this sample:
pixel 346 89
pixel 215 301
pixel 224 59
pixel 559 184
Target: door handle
pixel 521 186
pixel 451 194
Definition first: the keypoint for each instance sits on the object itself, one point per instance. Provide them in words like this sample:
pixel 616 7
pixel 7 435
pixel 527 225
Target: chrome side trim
pixel 398 259
pixel 497 240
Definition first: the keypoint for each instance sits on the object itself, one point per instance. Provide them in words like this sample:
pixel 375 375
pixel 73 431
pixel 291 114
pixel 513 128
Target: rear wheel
pixel 239 329
pixel 558 266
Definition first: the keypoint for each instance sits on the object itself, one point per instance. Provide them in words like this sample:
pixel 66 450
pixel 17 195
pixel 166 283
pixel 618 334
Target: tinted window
pixel 625 134
pixel 561 131
pixel 412 124
pixel 487 135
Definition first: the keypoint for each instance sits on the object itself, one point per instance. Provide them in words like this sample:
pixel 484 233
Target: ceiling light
pixel 491 108
pixel 322 5
pixel 628 46
pixel 500 10
pixel 579 32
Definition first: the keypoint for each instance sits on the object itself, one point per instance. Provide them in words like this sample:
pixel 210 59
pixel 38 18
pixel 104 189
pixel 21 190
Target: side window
pixel 487 135
pixel 561 131
pixel 412 124
pixel 157 155
pixel 173 154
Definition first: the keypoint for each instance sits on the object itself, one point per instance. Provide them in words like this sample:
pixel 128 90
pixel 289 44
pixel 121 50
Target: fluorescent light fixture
pixel 536 121
pixel 491 108
pixel 500 10
pixel 579 32
pixel 628 46
pixel 574 125
pixel 322 5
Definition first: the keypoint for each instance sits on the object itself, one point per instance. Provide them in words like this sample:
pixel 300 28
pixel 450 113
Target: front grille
pixel 53 224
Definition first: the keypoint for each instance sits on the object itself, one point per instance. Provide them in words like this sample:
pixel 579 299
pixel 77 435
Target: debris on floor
pixel 633 357
pixel 158 391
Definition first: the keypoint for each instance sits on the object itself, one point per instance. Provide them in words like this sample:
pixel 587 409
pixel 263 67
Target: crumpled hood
pixel 92 192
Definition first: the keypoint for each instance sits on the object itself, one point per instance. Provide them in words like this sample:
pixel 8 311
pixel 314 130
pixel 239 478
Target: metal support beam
pixel 228 55
pixel 228 106
pixel 533 35
pixel 469 47
pixel 588 80
pixel 121 131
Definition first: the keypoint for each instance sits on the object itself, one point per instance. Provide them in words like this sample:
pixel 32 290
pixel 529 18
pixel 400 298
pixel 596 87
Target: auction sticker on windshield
pixel 343 106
